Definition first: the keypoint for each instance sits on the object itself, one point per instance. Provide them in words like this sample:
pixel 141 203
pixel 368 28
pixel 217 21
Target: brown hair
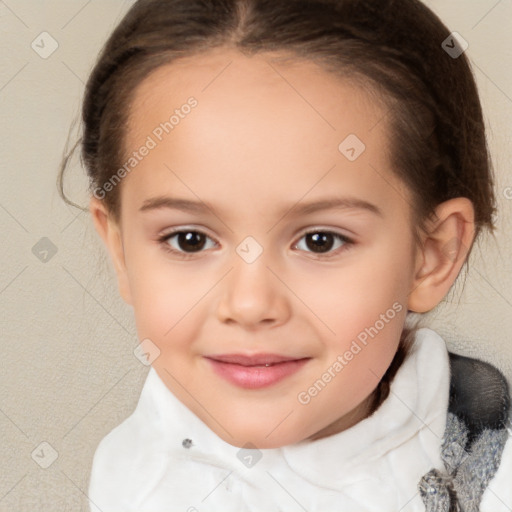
pixel 438 137
pixel 392 47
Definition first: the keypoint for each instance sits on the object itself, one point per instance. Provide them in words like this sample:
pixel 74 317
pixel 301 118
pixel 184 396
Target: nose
pixel 252 296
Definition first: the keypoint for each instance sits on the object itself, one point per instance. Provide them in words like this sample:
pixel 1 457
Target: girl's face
pixel 257 229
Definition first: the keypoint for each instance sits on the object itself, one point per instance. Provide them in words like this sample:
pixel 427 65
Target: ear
pixel 110 233
pixel 445 246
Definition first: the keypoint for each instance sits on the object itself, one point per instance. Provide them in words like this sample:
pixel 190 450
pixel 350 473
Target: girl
pixel 281 185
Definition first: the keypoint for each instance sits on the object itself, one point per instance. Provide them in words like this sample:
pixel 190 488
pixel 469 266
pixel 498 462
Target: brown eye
pixel 322 242
pixel 187 241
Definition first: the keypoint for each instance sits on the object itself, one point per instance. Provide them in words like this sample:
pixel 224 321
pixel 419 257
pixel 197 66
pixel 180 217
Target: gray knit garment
pixel 474 439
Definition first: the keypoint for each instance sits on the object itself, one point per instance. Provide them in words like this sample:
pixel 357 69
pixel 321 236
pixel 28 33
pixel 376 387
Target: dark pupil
pixel 320 242
pixel 191 240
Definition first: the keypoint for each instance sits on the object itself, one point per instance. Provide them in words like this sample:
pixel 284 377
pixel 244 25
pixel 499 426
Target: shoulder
pixel 476 448
pixel 112 465
pixel 128 459
pixel 480 399
pixel 498 495
pixel 479 395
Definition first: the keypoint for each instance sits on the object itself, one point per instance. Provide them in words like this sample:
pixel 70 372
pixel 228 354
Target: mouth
pixel 255 371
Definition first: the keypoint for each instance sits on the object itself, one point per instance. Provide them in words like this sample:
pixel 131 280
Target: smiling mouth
pixel 256 371
pixel 263 360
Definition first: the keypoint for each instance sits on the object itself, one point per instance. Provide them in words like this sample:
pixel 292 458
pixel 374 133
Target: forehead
pixel 261 124
pixel 272 86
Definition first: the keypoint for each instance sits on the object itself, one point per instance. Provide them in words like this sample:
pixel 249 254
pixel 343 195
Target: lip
pixel 255 371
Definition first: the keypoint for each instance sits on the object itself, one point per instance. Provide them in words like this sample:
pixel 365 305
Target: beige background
pixel 68 370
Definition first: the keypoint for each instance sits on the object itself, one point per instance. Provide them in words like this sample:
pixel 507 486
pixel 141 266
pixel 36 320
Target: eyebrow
pixel 198 207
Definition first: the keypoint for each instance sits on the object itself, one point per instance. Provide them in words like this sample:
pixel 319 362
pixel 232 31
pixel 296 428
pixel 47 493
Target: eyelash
pixel 347 243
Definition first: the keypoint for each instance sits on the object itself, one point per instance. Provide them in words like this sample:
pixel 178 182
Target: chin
pixel 259 438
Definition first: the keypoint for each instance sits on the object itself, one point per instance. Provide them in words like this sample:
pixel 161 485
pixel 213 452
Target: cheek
pixel 365 305
pixel 170 301
pixel 356 295
pixel 162 293
pixel 378 303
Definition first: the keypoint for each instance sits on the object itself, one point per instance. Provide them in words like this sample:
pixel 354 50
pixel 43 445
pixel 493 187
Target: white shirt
pixel 376 465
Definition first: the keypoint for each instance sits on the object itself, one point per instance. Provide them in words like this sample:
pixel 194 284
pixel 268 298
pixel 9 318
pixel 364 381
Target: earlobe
pixel 110 233
pixel 444 250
